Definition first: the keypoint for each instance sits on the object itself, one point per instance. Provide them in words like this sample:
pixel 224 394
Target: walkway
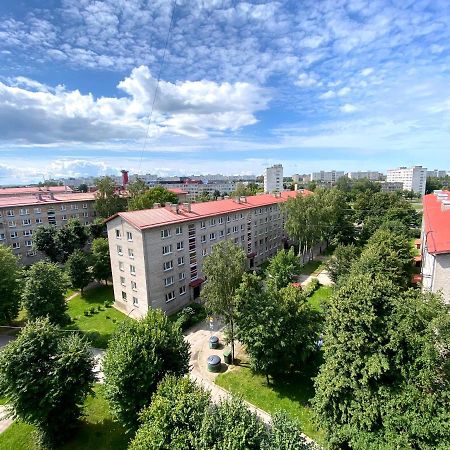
pixel 4 423
pixel 322 275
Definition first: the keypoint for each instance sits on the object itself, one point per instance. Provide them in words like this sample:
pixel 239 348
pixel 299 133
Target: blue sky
pixel 332 84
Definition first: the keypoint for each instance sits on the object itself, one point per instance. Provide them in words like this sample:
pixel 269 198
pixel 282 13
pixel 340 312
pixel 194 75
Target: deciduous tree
pixel 149 197
pixel 101 263
pixel 69 238
pixel 78 270
pixel 107 198
pixel 10 285
pixel 340 263
pixel 282 268
pixel 44 241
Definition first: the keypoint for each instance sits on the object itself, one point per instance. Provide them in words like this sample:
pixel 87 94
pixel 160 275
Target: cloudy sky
pixel 330 84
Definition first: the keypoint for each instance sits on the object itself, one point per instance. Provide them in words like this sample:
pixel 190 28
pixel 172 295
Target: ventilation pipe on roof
pixel 187 206
pixel 445 206
pixel 226 197
pixel 243 199
pixel 156 205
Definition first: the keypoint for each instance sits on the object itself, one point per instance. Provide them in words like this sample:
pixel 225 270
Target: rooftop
pixel 151 218
pixel 436 213
pixel 45 199
pixel 29 190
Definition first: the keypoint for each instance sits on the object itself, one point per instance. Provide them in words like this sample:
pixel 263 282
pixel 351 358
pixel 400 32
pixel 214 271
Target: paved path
pixel 4 423
pixel 322 276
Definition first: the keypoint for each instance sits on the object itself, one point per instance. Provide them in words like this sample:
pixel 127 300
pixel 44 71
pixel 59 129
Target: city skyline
pixel 336 85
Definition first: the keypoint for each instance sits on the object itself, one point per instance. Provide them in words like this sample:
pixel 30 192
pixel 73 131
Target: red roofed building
pixel 436 243
pixel 157 254
pixel 33 190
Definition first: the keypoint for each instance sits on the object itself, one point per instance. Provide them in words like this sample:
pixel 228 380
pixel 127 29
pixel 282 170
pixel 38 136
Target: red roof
pixel 150 218
pixel 436 216
pixel 196 282
pixel 34 200
pixel 28 190
pixel 177 191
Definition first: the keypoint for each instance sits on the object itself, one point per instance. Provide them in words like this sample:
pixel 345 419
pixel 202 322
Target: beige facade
pixel 161 266
pixel 20 216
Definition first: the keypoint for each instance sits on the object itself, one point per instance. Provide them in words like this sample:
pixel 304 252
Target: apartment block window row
pixel 165 233
pixel 180 245
pixel 168 265
pixel 178 230
pixel 131 253
pixel 167 249
pixel 132 269
pixel 168 281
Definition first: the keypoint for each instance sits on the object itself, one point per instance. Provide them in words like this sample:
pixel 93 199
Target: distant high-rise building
pixel 437 173
pixel 413 178
pixel 373 176
pixel 327 177
pixel 273 178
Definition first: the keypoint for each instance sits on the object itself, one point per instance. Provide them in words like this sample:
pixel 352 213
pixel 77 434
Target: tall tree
pixel 78 270
pixel 340 263
pixel 101 263
pixel 71 237
pixel 282 268
pixel 223 270
pixel 149 197
pixel 45 376
pixel 44 291
pixel 139 355
pixel 44 241
pixel 97 229
pixel 10 285
pixel 107 199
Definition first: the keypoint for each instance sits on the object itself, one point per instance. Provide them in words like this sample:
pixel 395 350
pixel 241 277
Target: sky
pixel 314 85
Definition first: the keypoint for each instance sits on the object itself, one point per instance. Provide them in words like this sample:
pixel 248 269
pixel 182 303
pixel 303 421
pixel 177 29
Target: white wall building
pixel 373 176
pixel 437 173
pixel 413 178
pixel 327 176
pixel 273 179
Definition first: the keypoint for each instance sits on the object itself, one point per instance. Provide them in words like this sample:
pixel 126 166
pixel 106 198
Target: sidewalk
pixel 322 275
pixel 4 423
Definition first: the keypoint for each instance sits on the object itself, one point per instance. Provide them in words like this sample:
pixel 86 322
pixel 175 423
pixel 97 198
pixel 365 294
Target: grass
pixel 97 430
pixel 320 297
pixel 101 324
pixel 292 394
pixel 311 267
pixel 2 401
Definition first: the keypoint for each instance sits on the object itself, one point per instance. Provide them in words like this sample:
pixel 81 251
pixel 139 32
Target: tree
pixel 139 355
pixel 71 237
pixel 83 187
pixel 282 268
pixel 45 377
pixel 101 263
pixel 149 197
pixel 341 261
pixel 203 197
pixel 107 199
pixel 10 286
pixel 44 241
pixel 78 270
pixel 174 417
pixel 97 229
pixel 223 270
pixel 44 291
pixel 137 188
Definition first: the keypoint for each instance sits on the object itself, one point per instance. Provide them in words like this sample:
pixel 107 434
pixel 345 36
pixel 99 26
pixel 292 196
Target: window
pixel 122 281
pixel 63 207
pixel 228 218
pixel 178 230
pixel 24 212
pixel 180 245
pixel 165 233
pixel 168 281
pixel 129 236
pixel 212 236
pixel 168 265
pixel 135 301
pixel 26 222
pixel 118 234
pixel 10 213
pixel 181 260
pixel 64 217
pixel 84 205
pixel 16 245
pixel 181 276
pixel 133 285
pixel 39 220
pixel 203 238
pixel 212 222
pixel 182 290
pixel 37 210
pixel 242 227
pixel 28 243
pixel 170 296
pixel 235 229
pixel 11 223
pixel 73 206
pixel 202 224
pixel 204 252
pixel 119 250
pixel 31 253
pixel 221 233
pixel 121 266
pixel 2 236
pixel 167 249
pixel 228 230
pixel 131 253
pixel 242 238
pixel 220 220
pixel 14 235
pixel 124 296
pixel 132 269
pixel 85 214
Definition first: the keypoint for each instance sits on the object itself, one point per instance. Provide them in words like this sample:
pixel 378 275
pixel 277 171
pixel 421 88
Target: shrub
pixel 311 287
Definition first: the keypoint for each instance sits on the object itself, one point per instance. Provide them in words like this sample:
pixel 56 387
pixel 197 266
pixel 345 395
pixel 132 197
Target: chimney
pixel 237 199
pixel 174 207
pixel 226 197
pixel 243 199
pixel 124 178
pixel 187 207
pixel 156 205
pixel 295 187
pixel 52 196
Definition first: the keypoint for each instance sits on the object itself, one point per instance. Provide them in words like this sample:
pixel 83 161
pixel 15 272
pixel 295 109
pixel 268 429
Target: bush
pixel 92 310
pixel 189 316
pixel 311 287
pixel 87 313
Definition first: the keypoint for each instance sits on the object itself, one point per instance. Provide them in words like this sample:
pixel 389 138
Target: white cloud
pixel 367 71
pixel 348 108
pixel 343 91
pixel 327 95
pixel 306 80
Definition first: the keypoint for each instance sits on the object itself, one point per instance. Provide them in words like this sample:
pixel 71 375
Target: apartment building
pixel 157 254
pixel 33 190
pixel 391 186
pixel 437 173
pixel 20 216
pixel 273 179
pixel 413 178
pixel 436 243
pixel 327 177
pixel 369 175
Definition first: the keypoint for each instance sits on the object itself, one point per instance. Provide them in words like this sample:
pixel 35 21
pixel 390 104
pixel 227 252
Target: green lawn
pixel 310 267
pixel 291 394
pixel 2 401
pixel 320 297
pixel 103 322
pixel 97 431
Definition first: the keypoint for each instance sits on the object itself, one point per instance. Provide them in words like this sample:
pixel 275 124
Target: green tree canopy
pixel 45 376
pixel 223 270
pixel 44 241
pixel 139 355
pixel 101 263
pixel 44 293
pixel 107 199
pixel 282 268
pixel 149 197
pixel 69 238
pixel 78 270
pixel 10 285
pixel 341 261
